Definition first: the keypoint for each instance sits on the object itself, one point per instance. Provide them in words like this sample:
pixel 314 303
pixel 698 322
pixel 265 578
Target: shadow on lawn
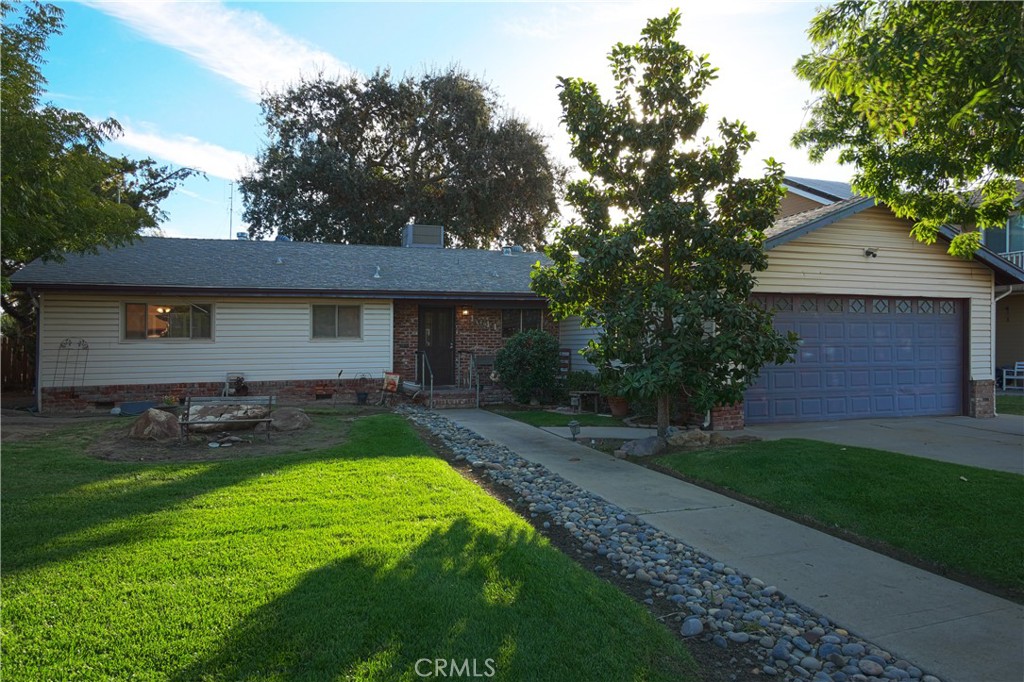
pixel 463 594
pixel 56 500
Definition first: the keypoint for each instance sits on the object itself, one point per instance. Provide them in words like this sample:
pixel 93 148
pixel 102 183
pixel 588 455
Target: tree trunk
pixel 664 410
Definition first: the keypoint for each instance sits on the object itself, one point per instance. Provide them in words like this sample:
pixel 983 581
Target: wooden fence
pixel 17 365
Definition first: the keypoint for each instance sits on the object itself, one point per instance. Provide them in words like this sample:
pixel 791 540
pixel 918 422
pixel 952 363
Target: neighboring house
pixel 1009 244
pixel 807 194
pixel 889 326
pixel 172 316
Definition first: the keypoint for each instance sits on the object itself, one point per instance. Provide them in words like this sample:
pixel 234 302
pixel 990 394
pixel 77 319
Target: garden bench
pixel 201 401
pixel 1015 375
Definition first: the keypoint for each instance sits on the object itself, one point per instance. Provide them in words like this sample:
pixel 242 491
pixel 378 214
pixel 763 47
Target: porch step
pixel 448 397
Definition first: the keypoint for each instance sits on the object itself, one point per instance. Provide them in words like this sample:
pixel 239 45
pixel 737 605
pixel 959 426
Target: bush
pixel 528 365
pixel 581 381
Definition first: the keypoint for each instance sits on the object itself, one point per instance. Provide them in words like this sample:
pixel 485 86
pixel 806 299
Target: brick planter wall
pixel 298 392
pixel 981 398
pixel 727 417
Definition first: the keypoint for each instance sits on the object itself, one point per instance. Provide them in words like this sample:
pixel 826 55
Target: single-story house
pixel 173 316
pixel 889 326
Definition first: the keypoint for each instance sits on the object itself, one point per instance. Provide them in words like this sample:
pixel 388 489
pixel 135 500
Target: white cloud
pixel 239 45
pixel 184 150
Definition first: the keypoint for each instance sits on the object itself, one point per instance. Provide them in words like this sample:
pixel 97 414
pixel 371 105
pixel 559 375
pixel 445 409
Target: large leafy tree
pixel 669 237
pixel 61 191
pixel 927 100
pixel 351 161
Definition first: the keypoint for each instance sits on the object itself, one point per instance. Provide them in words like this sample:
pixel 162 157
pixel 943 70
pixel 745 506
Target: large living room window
pixel 515 320
pixel 167 321
pixel 337 322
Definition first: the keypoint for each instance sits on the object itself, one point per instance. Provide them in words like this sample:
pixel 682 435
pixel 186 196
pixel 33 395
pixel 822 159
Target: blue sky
pixel 184 79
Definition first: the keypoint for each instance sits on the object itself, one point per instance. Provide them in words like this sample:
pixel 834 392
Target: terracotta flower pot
pixel 618 405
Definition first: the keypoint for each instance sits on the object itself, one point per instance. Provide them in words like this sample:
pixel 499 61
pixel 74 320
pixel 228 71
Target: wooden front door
pixel 437 340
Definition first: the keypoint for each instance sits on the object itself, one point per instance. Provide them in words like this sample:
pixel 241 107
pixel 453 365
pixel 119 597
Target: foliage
pixel 669 283
pixel 927 100
pixel 528 365
pixel 581 381
pixel 61 191
pixel 351 161
pixel 962 518
pixel 349 562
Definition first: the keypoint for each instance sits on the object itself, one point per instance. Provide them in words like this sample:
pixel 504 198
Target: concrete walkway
pixel 996 444
pixel 953 631
pixel 987 443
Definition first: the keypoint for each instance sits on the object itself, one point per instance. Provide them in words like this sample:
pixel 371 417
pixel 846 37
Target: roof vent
pixel 423 236
pixel 517 249
pixel 242 236
pixel 282 238
pixel 506 251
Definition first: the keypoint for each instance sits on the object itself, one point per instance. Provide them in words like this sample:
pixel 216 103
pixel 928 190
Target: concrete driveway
pixel 987 443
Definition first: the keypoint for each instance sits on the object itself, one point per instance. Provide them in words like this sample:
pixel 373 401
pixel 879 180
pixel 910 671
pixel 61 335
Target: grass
pixel 973 526
pixel 1010 404
pixel 351 562
pixel 545 418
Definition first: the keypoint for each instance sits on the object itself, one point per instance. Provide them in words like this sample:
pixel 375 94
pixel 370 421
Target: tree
pixel 927 100
pixel 351 161
pixel 669 279
pixel 61 191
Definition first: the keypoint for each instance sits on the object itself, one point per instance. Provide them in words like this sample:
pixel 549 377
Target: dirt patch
pixel 330 427
pixel 738 662
pixel 20 425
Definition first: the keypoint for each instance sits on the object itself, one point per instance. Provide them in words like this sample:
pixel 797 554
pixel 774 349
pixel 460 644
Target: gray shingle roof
pixel 287 267
pixel 827 189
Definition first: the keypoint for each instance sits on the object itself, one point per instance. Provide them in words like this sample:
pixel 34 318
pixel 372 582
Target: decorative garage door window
pixel 863 356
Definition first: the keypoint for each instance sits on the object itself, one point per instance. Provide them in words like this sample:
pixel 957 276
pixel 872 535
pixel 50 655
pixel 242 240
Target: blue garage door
pixel 863 357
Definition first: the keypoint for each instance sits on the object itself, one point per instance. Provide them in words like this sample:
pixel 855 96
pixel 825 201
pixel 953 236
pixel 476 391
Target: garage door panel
pixel 864 357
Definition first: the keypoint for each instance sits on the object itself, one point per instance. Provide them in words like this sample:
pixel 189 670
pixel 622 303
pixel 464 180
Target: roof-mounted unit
pixel 242 236
pixel 423 236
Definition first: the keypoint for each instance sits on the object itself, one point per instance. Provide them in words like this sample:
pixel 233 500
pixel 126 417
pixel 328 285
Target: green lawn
pixel 1010 404
pixel 545 418
pixel 351 562
pixel 918 505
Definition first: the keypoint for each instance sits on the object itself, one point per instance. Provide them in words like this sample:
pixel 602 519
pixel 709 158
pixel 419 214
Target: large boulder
pixel 225 417
pixel 289 419
pixel 155 425
pixel 691 438
pixel 645 447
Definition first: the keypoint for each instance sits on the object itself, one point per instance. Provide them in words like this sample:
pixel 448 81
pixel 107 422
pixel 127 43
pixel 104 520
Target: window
pixel 337 322
pixel 167 321
pixel 1009 240
pixel 515 320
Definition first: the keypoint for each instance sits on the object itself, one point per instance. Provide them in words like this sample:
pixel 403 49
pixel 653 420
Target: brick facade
pixel 727 417
pixel 477 330
pixel 981 398
pixel 299 392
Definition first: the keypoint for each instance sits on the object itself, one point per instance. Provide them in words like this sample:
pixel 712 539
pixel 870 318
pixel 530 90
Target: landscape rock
pixel 155 425
pixel 225 417
pixel 694 438
pixel 719 439
pixel 645 447
pixel 289 419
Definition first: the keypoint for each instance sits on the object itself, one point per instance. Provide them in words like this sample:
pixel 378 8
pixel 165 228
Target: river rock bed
pixel 717 603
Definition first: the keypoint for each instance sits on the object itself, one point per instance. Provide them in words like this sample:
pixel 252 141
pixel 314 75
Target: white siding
pixel 574 337
pixel 831 261
pixel 265 339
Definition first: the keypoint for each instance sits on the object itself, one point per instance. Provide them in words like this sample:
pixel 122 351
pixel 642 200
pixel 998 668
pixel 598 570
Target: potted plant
pixel 609 384
pixel 169 403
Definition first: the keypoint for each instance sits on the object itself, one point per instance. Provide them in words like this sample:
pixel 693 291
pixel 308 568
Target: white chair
pixel 1014 376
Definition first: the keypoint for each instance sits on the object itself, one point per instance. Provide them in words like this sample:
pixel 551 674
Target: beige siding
pixel 831 260
pixel 266 339
pixel 574 337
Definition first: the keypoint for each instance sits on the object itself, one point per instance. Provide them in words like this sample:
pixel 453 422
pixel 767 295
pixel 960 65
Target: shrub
pixel 528 365
pixel 581 381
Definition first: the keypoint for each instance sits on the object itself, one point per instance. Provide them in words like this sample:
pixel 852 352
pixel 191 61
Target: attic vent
pixel 423 236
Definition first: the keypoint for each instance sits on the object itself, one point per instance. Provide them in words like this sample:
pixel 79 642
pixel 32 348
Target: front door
pixel 437 340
